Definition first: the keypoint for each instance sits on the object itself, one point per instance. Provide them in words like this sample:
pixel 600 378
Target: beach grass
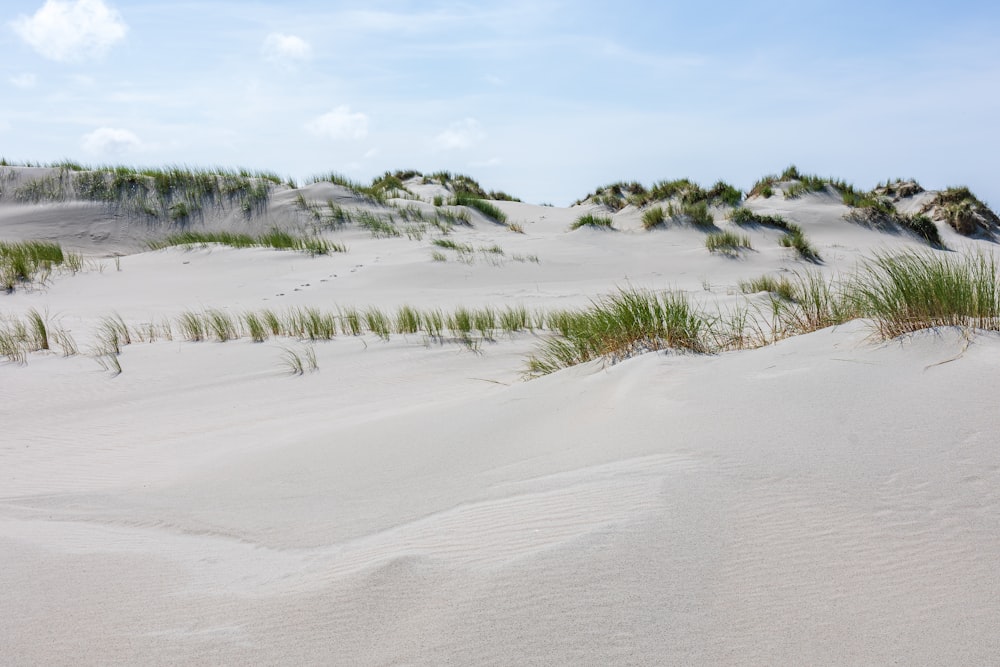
pixel 727 242
pixel 275 238
pixel 653 217
pixel 913 291
pixel 621 325
pixel 491 211
pixel 592 221
pixel 33 261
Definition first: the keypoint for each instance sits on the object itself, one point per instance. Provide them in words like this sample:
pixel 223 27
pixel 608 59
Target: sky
pixel 543 99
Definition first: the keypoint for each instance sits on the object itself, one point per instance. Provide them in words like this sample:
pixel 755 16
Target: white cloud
pixel 283 48
pixel 492 162
pixel 110 141
pixel 460 136
pixel 24 80
pixel 340 124
pixel 71 31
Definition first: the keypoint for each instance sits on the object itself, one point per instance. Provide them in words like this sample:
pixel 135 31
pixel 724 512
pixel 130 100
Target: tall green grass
pixel 33 261
pixel 913 291
pixel 491 211
pixel 620 325
pixel 727 242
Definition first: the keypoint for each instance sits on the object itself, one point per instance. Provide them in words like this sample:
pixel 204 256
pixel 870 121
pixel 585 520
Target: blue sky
pixel 543 99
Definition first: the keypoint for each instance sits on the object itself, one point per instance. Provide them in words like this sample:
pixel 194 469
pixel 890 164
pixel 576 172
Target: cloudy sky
pixel 545 99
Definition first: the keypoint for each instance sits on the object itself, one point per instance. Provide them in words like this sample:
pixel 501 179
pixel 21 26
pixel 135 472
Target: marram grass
pixel 898 294
pixel 275 238
pixel 593 221
pixel 33 261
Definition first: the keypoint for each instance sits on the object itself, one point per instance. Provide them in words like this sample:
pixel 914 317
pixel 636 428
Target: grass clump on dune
pixel 914 291
pixel 781 287
pixel 653 217
pixel 592 221
pixel 698 214
pixel 462 198
pixel 727 242
pixel 963 211
pixel 622 325
pixel 876 208
pixel 794 236
pixel 18 337
pixel 276 239
pixel 33 261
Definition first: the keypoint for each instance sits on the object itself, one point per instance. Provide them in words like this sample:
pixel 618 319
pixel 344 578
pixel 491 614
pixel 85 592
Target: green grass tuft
pixel 653 217
pixel 592 221
pixel 727 242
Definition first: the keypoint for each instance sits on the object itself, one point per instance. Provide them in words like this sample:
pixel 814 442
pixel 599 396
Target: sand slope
pixel 825 500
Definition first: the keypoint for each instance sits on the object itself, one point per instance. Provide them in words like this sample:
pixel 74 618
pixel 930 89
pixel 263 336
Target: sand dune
pixel 828 499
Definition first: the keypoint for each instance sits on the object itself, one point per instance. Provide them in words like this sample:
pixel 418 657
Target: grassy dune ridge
pixel 898 294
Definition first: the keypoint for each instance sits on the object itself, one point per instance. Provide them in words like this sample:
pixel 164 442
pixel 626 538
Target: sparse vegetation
pixel 592 221
pixel 727 242
pixel 463 198
pixel 796 238
pixel 33 261
pixel 653 217
pixel 698 214
pixel 276 238
pixel 621 325
pixel 175 193
pixel 781 287
pixel 963 211
pixel 617 196
pixel 744 216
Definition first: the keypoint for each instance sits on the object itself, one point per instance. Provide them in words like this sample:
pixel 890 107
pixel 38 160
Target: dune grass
pixel 592 221
pixel 727 242
pixel 698 214
pixel 653 217
pixel 275 238
pixel 913 291
pixel 620 325
pixel 781 287
pixel 36 332
pixel 796 238
pixel 174 193
pixel 33 261
pixel 491 211
pixel 617 196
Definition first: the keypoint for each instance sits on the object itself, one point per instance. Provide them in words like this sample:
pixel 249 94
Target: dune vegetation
pixel 33 261
pixel 177 194
pixel 593 221
pixel 276 239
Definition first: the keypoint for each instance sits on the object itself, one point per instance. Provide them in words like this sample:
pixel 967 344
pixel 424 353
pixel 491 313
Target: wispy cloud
pixel 340 124
pixel 281 48
pixel 71 31
pixel 25 80
pixel 110 141
pixel 460 136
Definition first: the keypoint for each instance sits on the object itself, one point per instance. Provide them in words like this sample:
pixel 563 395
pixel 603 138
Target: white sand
pixel 826 500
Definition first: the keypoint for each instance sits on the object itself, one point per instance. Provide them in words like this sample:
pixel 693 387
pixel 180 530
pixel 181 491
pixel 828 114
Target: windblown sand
pixel 825 500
